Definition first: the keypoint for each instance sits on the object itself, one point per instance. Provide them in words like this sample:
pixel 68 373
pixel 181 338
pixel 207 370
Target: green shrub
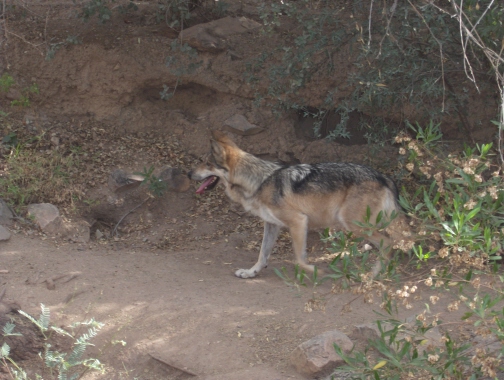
pixel 66 365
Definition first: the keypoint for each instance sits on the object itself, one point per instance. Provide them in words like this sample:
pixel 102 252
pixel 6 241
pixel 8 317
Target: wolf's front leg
pixel 270 236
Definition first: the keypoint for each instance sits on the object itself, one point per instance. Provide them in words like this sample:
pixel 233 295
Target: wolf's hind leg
pixel 270 236
pixel 298 229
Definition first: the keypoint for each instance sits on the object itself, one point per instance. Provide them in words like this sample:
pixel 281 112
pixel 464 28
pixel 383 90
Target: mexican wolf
pixel 302 197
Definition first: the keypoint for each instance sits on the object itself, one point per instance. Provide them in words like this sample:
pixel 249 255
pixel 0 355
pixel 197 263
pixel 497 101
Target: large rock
pixel 240 125
pixel 5 213
pixel 211 36
pixel 317 355
pixel 46 216
pixel 4 234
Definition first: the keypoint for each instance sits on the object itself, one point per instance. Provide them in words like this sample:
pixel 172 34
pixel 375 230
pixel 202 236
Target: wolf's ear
pixel 218 151
pixel 222 138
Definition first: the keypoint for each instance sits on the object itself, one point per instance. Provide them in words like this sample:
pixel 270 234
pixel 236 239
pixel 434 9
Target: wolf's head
pixel 220 165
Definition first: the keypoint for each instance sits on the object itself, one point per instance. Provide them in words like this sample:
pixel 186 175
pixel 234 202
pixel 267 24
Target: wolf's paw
pixel 246 273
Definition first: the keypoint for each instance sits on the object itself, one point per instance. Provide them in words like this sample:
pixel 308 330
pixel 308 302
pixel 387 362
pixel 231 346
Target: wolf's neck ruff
pixel 253 172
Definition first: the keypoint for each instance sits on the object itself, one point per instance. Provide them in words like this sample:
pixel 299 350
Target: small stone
pixel 240 125
pixel 318 355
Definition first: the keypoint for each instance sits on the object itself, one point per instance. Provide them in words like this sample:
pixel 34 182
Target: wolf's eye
pixel 220 167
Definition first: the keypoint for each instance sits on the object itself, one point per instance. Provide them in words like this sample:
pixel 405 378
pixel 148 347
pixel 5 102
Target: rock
pixel 211 36
pixel 317 355
pixel 120 181
pixel 5 213
pixel 47 217
pixel 240 125
pixel 4 234
pixel 98 234
pixel 175 180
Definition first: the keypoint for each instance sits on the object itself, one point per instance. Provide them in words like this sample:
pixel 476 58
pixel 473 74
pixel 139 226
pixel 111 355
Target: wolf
pixel 302 197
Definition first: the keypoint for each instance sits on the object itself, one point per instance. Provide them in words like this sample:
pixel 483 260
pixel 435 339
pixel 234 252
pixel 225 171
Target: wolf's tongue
pixel 207 182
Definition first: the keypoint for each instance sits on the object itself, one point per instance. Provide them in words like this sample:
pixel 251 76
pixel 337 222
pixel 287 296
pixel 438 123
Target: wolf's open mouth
pixel 208 184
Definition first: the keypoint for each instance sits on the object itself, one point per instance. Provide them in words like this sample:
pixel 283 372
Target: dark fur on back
pixel 325 178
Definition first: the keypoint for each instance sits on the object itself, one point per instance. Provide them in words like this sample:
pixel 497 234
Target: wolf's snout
pixel 190 174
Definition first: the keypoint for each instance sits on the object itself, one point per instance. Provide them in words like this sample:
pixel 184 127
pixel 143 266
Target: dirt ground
pixel 164 285
pixel 179 308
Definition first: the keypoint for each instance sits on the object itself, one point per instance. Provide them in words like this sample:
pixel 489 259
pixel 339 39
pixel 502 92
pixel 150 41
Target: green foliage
pixel 406 57
pixel 185 63
pixel 175 13
pixel 301 278
pixel 349 262
pixel 10 139
pixel 460 201
pixel 407 349
pixel 26 94
pixel 67 365
pixel 6 81
pixel 399 348
pixel 156 185
pixel 184 60
pixel 54 47
pixel 42 322
pixel 103 9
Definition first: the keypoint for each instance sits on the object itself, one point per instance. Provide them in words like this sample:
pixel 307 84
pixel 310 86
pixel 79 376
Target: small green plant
pixel 349 262
pixel 42 322
pixel 167 93
pixel 54 47
pixel 6 82
pixel 300 276
pixel 24 99
pixel 103 10
pixel 175 13
pixel 302 279
pixel 10 139
pixel 184 59
pixel 156 185
pixel 66 365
